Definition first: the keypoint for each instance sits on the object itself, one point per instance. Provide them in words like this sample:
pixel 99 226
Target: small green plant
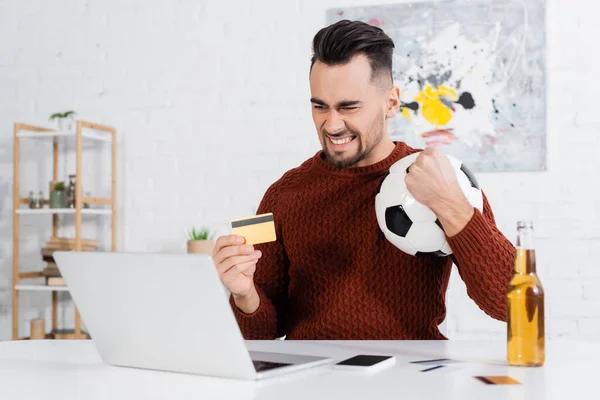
pixel 199 234
pixel 65 114
pixel 59 186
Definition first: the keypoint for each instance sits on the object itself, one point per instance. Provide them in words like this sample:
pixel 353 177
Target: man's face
pixel 349 110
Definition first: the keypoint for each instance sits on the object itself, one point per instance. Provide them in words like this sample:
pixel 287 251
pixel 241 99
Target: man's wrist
pixel 454 214
pixel 248 304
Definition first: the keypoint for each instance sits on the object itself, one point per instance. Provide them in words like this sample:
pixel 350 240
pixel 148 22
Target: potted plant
pixel 200 241
pixel 65 120
pixel 58 198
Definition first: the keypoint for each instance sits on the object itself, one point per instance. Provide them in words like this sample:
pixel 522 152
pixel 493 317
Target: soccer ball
pixel 408 224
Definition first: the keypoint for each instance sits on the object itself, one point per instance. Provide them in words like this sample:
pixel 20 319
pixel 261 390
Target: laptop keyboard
pixel 267 365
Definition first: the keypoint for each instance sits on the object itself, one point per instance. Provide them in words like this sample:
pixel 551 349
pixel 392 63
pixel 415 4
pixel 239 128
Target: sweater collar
pixel 401 150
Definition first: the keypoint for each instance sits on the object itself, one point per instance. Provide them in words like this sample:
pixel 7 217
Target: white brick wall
pixel 211 103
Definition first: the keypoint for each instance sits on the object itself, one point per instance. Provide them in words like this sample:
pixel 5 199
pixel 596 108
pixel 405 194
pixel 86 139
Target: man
pixel 332 274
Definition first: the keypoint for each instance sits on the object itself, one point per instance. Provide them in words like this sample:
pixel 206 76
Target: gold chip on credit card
pixel 256 229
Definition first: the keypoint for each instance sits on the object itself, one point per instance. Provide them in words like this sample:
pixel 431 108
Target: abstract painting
pixel 472 77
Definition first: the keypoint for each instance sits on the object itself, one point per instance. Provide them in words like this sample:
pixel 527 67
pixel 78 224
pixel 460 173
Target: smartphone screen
pixel 364 360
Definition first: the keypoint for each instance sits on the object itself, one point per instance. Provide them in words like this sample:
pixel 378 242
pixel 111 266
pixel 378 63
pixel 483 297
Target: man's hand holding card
pixel 235 258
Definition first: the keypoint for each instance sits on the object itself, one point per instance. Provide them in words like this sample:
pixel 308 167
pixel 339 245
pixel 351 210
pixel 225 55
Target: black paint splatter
pixel 412 106
pixel 466 100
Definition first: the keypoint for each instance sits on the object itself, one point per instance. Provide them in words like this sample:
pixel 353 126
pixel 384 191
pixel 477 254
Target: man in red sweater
pixel 331 274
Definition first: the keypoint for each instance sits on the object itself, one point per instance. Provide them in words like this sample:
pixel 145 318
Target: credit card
pixel 438 361
pixel 497 380
pixel 255 229
pixel 443 369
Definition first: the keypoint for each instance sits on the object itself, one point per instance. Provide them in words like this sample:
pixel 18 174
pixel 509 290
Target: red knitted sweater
pixel 332 274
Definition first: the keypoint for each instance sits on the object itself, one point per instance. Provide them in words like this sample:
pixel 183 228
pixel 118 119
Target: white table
pixel 73 370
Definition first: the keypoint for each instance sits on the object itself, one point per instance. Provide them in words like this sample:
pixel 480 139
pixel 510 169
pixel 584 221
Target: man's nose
pixel 334 124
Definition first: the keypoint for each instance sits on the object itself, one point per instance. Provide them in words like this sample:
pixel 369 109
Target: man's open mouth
pixel 341 140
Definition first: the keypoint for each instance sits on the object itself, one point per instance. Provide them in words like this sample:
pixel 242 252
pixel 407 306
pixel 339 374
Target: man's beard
pixel 346 162
pixel 364 149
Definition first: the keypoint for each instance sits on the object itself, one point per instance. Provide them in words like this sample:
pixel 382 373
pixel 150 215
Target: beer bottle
pixel 525 319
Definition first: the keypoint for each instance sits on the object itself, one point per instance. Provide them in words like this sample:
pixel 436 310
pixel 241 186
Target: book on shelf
pixel 55 281
pixel 66 334
pixel 46 252
pixel 69 243
pixel 51 270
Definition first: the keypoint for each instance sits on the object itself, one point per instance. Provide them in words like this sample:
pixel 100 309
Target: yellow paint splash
pixel 406 113
pixel 432 108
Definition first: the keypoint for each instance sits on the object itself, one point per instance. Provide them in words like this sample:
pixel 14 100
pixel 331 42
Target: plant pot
pixel 65 125
pixel 200 247
pixel 58 199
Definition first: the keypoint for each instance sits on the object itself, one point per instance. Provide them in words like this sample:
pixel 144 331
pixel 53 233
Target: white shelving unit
pixel 40 288
pixel 66 211
pixel 51 134
pixel 85 131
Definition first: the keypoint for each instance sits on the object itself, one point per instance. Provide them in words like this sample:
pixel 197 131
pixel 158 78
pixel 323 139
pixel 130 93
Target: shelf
pixel 47 211
pixel 48 336
pixel 93 135
pixel 62 334
pixel 81 135
pixel 40 287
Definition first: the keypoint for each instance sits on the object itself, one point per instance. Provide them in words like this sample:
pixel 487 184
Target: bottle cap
pixel 525 224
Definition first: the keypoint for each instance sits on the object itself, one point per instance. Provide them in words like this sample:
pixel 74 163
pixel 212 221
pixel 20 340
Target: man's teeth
pixel 341 141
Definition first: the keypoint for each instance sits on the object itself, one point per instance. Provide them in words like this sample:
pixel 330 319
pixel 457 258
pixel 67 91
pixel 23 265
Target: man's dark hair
pixel 338 43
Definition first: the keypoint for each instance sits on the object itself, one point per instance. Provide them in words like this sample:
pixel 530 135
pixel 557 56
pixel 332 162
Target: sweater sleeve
pixel 485 261
pixel 271 282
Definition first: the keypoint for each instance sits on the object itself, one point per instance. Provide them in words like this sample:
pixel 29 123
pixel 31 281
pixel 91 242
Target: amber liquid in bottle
pixel 525 324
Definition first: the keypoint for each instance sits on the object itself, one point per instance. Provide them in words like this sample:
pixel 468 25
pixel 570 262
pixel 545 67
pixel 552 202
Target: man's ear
pixel 393 102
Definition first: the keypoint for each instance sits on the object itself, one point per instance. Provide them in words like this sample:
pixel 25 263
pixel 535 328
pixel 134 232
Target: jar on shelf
pixel 87 195
pixel 71 192
pixel 35 202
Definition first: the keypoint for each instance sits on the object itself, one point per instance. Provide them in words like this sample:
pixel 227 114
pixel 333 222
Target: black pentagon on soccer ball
pixel 437 253
pixel 470 176
pixel 397 221
pixel 438 223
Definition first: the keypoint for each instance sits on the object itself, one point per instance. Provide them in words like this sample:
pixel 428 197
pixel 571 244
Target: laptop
pixel 166 312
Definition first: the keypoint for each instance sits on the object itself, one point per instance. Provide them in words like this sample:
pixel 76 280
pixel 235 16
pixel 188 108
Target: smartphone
pixel 366 363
